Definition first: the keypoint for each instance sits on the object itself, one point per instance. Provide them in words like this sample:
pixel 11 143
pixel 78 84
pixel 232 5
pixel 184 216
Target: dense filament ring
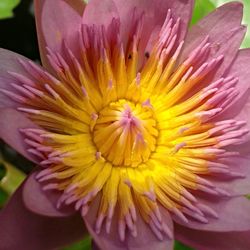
pixel 125 133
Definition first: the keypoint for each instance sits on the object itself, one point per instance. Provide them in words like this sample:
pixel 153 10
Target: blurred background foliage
pixel 17 29
pixel 6 8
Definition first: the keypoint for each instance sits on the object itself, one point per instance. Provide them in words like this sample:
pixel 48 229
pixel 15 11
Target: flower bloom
pixel 138 126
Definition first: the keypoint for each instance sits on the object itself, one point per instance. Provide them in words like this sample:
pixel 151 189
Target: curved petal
pixel 42 202
pixel 223 26
pixel 9 62
pixel 155 12
pixel 240 108
pixel 56 21
pixel 145 239
pixel 213 240
pixel 233 215
pixel 100 13
pixel 22 229
pixel 38 5
pixel 180 9
pixel 236 186
pixel 11 121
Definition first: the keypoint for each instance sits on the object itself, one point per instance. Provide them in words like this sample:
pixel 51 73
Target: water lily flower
pixel 139 128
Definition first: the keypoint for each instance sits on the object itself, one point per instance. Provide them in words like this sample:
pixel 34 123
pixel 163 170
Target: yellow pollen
pixel 125 133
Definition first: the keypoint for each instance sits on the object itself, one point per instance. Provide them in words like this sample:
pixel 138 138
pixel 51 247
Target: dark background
pixel 19 33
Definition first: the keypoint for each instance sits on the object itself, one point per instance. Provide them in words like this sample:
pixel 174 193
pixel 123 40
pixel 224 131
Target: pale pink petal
pixel 42 202
pixel 240 107
pixel 223 26
pixel 243 114
pixel 233 215
pixel 11 121
pixel 235 186
pixel 240 69
pixel 9 62
pixel 155 13
pixel 181 9
pixel 38 6
pixel 213 240
pixel 100 12
pixel 24 230
pixel 145 239
pixel 57 21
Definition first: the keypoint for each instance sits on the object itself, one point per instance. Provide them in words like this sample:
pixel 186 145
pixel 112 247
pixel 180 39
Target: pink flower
pixel 139 128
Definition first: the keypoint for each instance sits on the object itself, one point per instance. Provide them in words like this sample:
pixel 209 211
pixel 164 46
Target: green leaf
pixel 6 8
pixel 82 245
pixel 201 9
pixel 246 21
pixel 179 246
pixel 3 197
pixel 2 171
pixel 10 177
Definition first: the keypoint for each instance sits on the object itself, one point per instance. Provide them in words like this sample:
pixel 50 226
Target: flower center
pixel 125 132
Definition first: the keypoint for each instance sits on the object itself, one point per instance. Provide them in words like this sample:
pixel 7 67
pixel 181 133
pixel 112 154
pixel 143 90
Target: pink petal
pixel 22 229
pixel 155 12
pixel 223 26
pixel 9 62
pixel 240 69
pixel 42 202
pixel 11 121
pixel 145 239
pixel 213 240
pixel 56 21
pixel 240 107
pixel 236 186
pixel 100 12
pixel 180 9
pixel 233 215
